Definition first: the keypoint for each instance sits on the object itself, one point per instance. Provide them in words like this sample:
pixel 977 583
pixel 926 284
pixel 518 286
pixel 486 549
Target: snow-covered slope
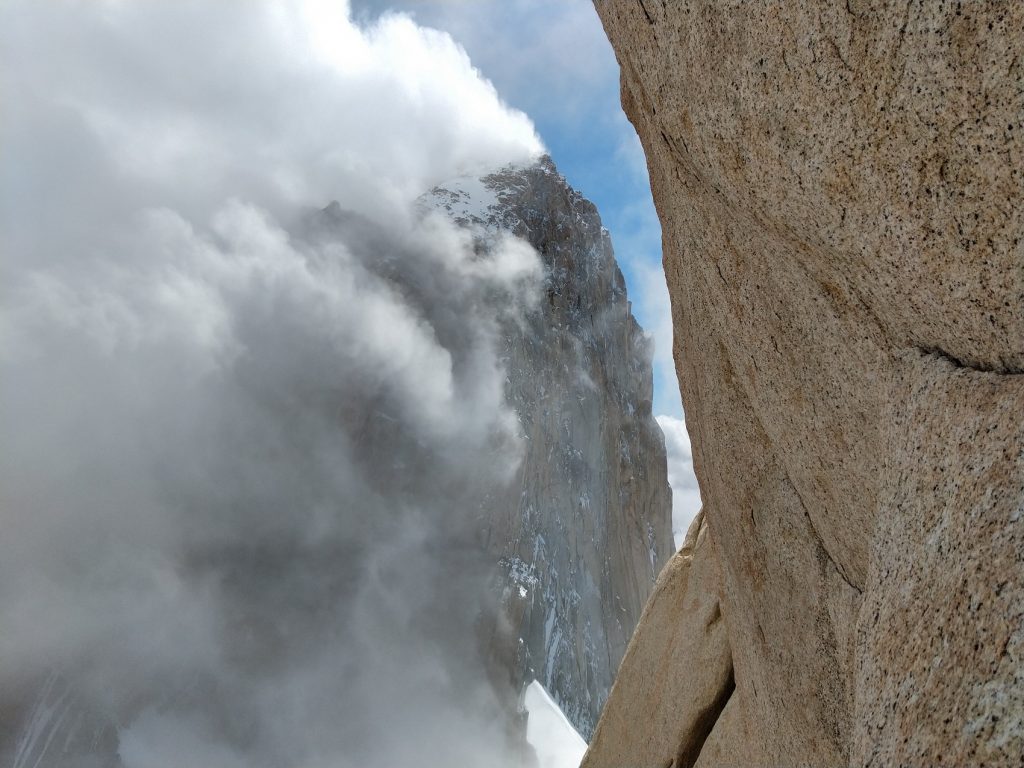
pixel 557 743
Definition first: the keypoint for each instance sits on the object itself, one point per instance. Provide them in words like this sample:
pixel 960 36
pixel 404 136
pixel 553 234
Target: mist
pixel 246 432
pixel 686 502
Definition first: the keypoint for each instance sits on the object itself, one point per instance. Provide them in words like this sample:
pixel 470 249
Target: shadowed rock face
pixel 585 527
pixel 842 202
pixel 571 545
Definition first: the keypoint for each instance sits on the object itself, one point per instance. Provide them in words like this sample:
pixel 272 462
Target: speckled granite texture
pixel 664 650
pixel 841 189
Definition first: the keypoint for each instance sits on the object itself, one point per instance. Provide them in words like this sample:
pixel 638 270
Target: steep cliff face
pixel 571 545
pixel 842 204
pixel 585 527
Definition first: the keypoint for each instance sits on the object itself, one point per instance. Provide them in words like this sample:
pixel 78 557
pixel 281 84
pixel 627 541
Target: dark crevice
pixel 689 750
pixel 956 362
pixel 719 268
pixel 817 536
pixel 646 12
pixel 715 617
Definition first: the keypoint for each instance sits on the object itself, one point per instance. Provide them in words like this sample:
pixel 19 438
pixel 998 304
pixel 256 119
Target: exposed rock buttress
pixel 841 190
pixel 585 526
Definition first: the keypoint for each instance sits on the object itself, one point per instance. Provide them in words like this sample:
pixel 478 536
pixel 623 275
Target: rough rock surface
pixel 681 636
pixel 585 527
pixel 842 200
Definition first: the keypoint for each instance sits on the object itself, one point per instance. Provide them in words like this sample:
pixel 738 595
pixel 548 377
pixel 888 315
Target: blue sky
pixel 551 59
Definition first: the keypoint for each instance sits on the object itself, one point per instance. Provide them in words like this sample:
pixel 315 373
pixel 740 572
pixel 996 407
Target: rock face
pixel 663 651
pixel 585 527
pixel 842 202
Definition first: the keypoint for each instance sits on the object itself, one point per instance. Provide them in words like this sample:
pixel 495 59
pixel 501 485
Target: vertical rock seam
pixel 841 191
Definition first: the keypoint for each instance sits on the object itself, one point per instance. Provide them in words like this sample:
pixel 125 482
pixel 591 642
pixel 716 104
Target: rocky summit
pixel 842 204
pixel 585 527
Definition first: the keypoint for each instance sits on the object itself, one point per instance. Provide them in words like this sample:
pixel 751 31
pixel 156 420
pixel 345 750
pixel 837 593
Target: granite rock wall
pixel 841 193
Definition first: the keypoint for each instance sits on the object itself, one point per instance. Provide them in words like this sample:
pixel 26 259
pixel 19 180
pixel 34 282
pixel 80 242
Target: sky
pixel 552 60
pixel 210 382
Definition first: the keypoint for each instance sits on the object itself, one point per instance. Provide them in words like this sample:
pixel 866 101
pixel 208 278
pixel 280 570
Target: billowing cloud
pixel 246 437
pixel 685 490
pixel 115 105
pixel 552 59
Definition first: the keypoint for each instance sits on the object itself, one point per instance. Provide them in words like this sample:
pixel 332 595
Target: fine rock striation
pixel 842 203
pixel 584 528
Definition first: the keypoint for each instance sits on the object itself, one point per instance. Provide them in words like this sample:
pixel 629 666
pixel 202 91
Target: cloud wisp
pixel 246 438
pixel 686 501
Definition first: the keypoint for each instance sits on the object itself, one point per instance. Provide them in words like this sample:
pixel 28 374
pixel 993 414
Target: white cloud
pixel 247 440
pixel 551 59
pixel 685 490
pixel 183 104
pixel 651 301
pixel 555 61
